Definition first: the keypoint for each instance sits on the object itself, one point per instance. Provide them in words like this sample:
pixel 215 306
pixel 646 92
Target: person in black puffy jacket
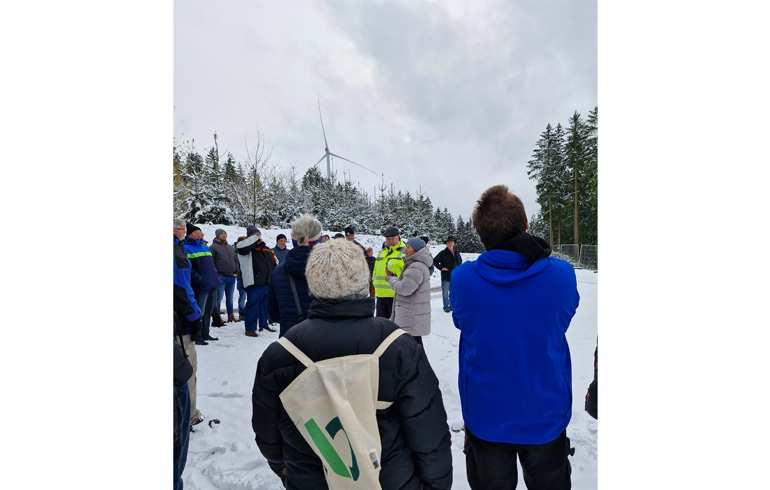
pixel 416 452
pixel 281 304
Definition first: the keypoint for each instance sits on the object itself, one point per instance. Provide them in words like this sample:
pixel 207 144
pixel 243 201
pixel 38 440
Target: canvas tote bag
pixel 333 403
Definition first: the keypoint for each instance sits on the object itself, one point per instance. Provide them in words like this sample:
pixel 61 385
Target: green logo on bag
pixel 328 452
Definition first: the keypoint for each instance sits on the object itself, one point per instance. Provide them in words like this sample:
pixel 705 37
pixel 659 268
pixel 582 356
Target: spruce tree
pixel 576 154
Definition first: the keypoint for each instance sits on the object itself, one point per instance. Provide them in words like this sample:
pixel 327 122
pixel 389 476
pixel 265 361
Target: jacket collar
pixel 341 308
pixel 296 260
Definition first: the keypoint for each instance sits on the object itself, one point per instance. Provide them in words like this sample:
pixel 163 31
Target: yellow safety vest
pixel 391 258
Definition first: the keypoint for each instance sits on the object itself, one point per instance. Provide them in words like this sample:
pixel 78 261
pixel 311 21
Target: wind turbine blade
pixel 319 161
pixel 354 163
pixel 322 123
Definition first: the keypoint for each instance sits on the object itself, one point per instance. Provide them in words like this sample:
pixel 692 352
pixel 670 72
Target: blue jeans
pixel 205 302
pixel 226 288
pixel 256 307
pixel 445 287
pixel 241 298
pixel 181 431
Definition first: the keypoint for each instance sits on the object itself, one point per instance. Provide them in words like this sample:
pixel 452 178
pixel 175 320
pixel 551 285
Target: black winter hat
pixel 450 237
pixel 349 230
pixel 391 231
pixel 424 239
pixel 191 228
pixel 280 235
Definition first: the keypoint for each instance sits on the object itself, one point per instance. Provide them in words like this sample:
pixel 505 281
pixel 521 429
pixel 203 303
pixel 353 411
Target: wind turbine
pixel 328 154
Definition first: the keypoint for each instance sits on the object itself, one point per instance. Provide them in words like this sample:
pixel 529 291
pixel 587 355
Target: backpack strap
pixel 300 317
pixel 294 350
pixel 388 340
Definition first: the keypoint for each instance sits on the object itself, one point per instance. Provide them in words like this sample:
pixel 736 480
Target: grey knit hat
pixel 305 229
pixel 416 243
pixel 336 269
pixel 219 232
pixel 250 230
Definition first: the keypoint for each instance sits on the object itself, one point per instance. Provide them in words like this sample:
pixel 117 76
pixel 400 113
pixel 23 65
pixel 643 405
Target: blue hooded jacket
pixel 515 371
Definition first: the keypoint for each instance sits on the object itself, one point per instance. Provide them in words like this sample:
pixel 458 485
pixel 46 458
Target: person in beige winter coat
pixel 411 305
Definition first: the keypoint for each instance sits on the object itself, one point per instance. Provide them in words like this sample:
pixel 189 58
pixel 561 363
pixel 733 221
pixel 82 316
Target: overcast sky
pixel 447 97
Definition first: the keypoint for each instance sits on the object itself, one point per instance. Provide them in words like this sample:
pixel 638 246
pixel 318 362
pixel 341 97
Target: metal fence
pixel 581 256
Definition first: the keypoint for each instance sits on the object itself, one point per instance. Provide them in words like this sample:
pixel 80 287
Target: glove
pixel 196 327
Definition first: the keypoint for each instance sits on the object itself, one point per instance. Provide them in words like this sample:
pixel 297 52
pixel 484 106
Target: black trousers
pixel 384 307
pixel 492 465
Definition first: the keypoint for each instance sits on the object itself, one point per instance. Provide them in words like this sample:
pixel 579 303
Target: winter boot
pixel 230 318
pixel 217 320
pixel 241 317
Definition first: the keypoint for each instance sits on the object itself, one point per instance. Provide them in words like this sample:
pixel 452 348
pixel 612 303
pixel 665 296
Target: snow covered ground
pixel 225 456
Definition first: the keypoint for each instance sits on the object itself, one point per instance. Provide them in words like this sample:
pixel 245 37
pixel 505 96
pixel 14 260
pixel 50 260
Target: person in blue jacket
pixel 204 278
pixel 513 306
pixel 281 303
pixel 188 320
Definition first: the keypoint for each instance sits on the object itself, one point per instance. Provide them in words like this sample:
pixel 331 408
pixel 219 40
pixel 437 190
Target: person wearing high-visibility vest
pixel 391 258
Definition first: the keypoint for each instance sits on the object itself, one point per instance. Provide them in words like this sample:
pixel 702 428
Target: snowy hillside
pixel 225 456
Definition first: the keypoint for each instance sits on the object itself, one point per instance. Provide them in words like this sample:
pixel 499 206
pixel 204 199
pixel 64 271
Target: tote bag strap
pixel 294 350
pixel 388 340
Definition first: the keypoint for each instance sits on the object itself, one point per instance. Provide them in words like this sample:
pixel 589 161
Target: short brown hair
pixel 498 216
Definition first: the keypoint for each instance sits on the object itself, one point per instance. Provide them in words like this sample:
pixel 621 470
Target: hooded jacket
pixel 225 258
pixel 415 438
pixel 513 306
pixel 204 275
pixel 256 260
pixel 281 305
pixel 411 306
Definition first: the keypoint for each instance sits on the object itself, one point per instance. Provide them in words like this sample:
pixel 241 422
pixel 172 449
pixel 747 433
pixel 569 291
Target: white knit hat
pixel 336 269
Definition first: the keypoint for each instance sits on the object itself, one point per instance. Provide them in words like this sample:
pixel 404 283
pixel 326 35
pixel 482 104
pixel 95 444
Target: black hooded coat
pixel 416 452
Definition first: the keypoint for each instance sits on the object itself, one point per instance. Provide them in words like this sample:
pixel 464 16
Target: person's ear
pixel 527 228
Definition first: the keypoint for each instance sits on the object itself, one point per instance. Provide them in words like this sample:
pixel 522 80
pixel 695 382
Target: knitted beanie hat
pixel 250 230
pixel 219 232
pixel 336 269
pixel 191 228
pixel 305 229
pixel 416 243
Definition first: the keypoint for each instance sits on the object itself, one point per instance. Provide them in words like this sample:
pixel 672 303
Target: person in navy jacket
pixel 204 278
pixel 513 306
pixel 281 304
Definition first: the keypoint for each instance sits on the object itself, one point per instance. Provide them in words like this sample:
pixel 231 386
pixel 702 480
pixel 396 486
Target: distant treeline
pixel 216 188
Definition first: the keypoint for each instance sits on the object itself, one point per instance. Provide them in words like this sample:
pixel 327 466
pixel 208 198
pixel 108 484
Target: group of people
pixel 333 297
